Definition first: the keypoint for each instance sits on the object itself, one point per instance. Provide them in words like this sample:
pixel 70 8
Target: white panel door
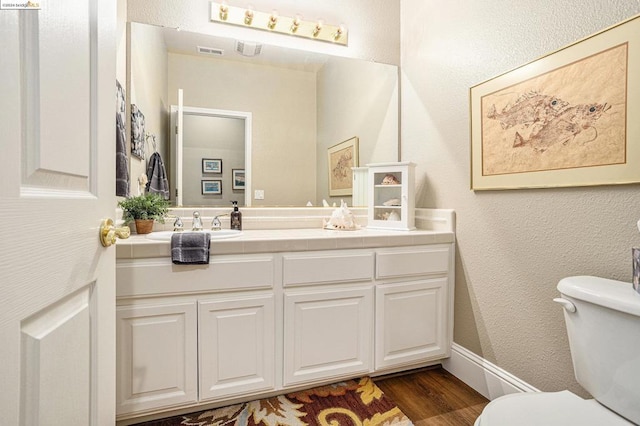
pixel 57 183
pixel 411 322
pixel 327 333
pixel 157 357
pixel 237 346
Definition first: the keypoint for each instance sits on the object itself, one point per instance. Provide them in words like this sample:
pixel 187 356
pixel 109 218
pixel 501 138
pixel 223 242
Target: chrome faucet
pixel 178 225
pixel 216 225
pixel 197 222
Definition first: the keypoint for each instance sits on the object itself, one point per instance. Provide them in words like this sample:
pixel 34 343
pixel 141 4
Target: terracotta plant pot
pixel 144 226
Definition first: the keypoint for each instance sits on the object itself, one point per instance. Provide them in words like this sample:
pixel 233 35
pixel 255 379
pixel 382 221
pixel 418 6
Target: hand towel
pixel 157 177
pixel 190 248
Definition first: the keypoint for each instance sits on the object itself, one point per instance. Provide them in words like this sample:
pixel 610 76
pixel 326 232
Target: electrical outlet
pixel 259 194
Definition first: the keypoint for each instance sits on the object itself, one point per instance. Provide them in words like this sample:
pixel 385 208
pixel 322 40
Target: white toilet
pixel 603 324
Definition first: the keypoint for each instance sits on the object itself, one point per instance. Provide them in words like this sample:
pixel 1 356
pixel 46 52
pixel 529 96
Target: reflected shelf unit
pixel 392 196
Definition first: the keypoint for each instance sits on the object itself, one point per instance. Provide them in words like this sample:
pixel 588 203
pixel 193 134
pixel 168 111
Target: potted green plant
pixel 144 209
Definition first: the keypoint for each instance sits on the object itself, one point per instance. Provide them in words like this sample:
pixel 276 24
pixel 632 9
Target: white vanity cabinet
pixel 253 325
pixel 413 305
pixel 172 353
pixel 192 334
pixel 156 355
pixel 328 314
pixel 236 338
pixel 327 333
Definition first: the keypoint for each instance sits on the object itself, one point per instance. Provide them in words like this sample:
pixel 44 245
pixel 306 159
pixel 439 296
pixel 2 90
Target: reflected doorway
pixel 211 157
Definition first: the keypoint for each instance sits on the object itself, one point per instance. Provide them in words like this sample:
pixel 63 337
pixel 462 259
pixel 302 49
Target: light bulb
pixel 317 28
pixel 248 16
pixel 295 24
pixel 273 20
pixel 224 11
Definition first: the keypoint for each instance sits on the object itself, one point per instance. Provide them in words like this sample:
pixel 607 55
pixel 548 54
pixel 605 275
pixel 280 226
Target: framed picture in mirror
pixel 211 165
pixel 238 179
pixel 342 157
pixel 212 187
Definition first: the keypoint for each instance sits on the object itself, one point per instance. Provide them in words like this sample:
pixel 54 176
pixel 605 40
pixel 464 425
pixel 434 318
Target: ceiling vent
pixel 247 48
pixel 210 51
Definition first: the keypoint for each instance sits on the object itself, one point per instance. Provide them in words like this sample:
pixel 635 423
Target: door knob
pixel 109 233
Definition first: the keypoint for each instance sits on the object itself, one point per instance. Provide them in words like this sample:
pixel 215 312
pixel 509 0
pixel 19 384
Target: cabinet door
pixel 327 333
pixel 237 346
pixel 411 321
pixel 156 356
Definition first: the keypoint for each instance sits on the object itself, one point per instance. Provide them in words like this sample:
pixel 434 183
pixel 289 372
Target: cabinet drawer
pixel 325 268
pixel 159 276
pixel 412 261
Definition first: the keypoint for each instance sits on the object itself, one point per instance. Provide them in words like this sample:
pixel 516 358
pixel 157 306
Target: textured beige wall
pixel 512 246
pixel 148 90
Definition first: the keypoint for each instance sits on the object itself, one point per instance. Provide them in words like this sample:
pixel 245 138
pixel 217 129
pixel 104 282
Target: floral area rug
pixel 350 403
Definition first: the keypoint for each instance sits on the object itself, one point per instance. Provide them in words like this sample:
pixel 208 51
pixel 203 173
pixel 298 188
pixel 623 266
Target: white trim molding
pixel 485 377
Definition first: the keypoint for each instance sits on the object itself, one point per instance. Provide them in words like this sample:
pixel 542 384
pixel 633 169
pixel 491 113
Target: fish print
pixel 529 109
pixel 564 127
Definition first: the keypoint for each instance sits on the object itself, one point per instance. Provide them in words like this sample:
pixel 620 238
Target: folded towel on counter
pixel 190 248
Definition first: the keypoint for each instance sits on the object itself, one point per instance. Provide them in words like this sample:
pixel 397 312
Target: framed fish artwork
pixel 341 159
pixel 569 118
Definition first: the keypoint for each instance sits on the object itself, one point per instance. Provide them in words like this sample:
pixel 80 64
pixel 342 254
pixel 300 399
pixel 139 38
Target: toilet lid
pixel 548 409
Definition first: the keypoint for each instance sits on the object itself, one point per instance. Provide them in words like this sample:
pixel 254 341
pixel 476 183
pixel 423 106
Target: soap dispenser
pixel 236 217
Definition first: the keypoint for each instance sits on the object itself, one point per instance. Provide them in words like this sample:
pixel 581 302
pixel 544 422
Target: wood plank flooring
pixel 433 397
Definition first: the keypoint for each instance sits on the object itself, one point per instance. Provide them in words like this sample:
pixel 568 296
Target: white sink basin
pixel 215 235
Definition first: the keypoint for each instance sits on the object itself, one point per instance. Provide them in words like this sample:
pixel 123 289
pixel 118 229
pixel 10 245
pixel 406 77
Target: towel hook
pixel 153 140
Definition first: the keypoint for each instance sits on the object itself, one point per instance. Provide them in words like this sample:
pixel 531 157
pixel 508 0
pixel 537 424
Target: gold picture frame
pixel 566 119
pixel 340 159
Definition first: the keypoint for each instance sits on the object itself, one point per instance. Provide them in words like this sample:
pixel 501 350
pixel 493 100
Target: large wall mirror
pixel 300 104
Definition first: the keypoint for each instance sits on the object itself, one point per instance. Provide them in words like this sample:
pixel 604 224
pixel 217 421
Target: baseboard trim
pixel 485 377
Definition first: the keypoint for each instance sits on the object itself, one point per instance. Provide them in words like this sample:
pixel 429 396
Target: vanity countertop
pixel 281 240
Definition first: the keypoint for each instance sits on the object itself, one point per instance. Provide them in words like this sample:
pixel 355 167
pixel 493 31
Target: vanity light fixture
pixel 296 26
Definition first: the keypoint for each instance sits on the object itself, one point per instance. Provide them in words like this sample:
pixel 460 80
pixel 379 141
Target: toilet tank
pixel 604 336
